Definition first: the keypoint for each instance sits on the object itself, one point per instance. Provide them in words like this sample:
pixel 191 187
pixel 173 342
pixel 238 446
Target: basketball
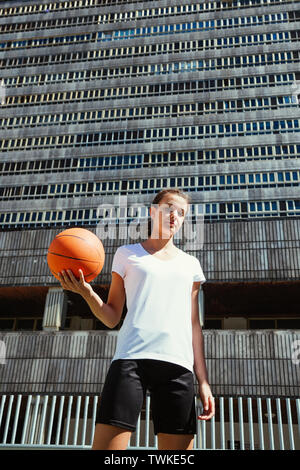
pixel 74 249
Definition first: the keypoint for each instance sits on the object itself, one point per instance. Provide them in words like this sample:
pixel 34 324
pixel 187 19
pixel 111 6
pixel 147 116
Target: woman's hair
pixel 159 196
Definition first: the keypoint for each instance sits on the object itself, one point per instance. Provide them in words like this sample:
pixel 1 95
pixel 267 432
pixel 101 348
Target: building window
pixel 274 323
pixel 7 324
pixel 212 324
pixel 262 324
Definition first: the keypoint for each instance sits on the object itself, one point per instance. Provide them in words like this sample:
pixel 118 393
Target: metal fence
pixel 68 421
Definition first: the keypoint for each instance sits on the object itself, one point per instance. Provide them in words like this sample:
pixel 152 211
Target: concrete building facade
pixel 105 103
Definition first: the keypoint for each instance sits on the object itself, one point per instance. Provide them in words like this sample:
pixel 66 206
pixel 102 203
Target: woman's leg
pixel 120 404
pixel 109 437
pixel 173 406
pixel 175 441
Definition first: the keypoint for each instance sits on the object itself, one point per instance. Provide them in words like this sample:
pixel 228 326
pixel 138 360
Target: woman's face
pixel 168 215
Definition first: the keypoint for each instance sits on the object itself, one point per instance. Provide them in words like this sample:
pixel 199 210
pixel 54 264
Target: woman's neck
pixel 160 244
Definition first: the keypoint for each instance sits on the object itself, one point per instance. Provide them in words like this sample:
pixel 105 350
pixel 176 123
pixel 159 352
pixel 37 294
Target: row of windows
pixel 114 162
pixel 193 26
pixel 61 6
pixel 21 324
pixel 251 60
pixel 36 324
pixel 159 89
pixel 153 30
pixel 192 183
pixel 114 17
pixel 165 48
pixel 118 17
pixel 171 88
pixel 149 112
pixel 254 323
pixel 211 211
pixel 77 4
pixel 151 135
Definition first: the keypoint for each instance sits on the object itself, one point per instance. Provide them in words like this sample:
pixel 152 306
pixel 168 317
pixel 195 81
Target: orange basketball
pixel 74 249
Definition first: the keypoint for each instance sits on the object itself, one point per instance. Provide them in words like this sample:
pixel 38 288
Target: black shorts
pixel 171 390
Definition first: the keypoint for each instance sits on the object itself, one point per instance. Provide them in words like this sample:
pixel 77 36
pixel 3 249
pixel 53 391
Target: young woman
pixel 160 343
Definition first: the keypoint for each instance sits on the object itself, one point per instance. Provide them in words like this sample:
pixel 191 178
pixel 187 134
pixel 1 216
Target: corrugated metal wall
pixel 247 363
pixel 232 250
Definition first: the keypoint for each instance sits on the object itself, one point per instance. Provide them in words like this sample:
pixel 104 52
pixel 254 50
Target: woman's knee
pixel 108 437
pixel 175 441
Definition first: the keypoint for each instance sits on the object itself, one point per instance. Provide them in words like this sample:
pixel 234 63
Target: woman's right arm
pixel 108 313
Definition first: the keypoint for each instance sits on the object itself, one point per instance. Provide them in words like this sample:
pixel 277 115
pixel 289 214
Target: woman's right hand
pixel 69 282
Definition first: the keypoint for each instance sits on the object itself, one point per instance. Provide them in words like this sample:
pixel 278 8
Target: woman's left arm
pixel 199 359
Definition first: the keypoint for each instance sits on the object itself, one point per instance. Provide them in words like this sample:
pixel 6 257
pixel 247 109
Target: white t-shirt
pixel 158 297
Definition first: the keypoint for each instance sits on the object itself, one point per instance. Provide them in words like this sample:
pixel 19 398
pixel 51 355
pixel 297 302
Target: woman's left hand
pixel 208 402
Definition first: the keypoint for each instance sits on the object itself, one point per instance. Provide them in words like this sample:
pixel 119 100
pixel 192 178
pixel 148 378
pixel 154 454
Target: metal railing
pixel 68 422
